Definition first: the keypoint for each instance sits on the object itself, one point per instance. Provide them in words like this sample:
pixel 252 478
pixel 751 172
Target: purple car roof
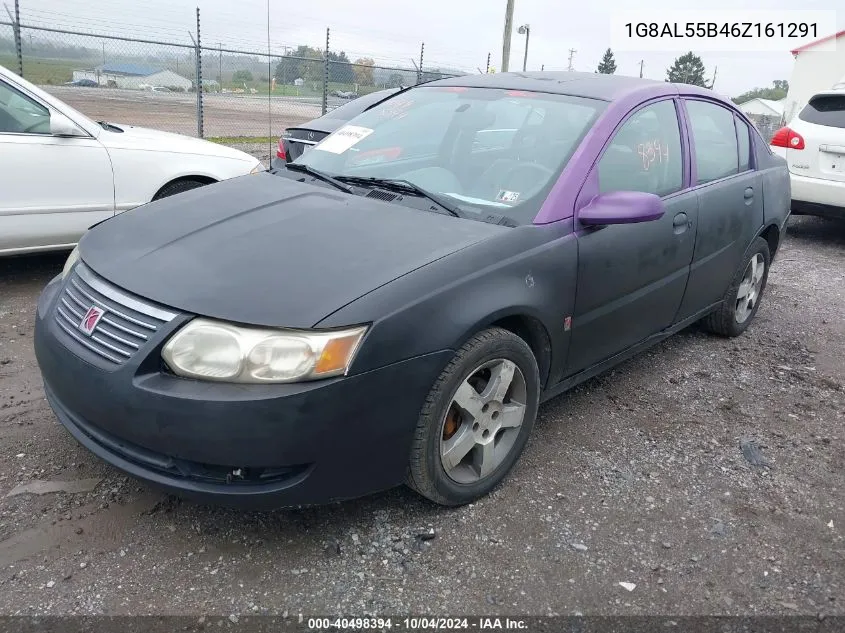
pixel 590 85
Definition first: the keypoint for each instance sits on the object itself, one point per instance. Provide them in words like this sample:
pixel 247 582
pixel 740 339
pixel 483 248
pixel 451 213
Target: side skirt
pixel 585 374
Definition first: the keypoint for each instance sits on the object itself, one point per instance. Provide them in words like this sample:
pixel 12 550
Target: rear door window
pixel 826 110
pixel 743 138
pixel 714 138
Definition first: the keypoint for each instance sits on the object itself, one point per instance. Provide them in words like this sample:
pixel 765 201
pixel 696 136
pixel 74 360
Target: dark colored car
pixel 296 140
pixel 83 83
pixel 394 305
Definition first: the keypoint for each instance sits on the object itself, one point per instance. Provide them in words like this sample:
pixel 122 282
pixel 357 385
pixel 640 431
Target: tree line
pixel 689 69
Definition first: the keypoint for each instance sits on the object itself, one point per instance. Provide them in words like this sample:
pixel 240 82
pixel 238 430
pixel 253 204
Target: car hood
pixel 267 250
pixel 145 139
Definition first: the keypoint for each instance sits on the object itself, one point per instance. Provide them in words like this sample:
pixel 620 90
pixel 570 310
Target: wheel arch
pixel 205 180
pixel 772 235
pixel 527 326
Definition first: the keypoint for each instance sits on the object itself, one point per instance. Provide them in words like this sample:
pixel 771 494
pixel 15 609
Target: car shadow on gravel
pixel 823 231
pixel 28 270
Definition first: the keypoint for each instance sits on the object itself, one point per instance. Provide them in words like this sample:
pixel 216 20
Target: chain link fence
pixel 767 125
pixel 241 98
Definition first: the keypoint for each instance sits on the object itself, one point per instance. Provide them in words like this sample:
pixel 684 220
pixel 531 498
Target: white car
pixel 813 144
pixel 60 172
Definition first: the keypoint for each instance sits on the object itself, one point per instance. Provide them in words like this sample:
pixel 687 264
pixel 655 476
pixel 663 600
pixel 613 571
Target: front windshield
pixel 484 149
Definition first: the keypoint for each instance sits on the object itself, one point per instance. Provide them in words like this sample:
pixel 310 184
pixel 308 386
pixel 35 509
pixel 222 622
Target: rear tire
pixel 476 419
pixel 180 186
pixel 743 296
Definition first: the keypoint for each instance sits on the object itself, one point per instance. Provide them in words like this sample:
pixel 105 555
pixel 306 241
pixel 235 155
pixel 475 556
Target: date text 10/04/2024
pixel 714 29
pixel 416 624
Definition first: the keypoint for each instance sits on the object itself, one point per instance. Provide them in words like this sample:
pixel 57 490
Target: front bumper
pixel 254 446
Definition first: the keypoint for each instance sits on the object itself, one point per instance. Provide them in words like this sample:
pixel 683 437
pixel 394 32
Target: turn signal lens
pixel 337 354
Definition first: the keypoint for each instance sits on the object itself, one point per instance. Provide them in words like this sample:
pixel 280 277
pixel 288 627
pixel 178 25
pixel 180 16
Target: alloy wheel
pixel 483 421
pixel 748 292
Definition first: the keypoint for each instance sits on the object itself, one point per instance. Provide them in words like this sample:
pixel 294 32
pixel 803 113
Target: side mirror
pixel 622 207
pixel 60 125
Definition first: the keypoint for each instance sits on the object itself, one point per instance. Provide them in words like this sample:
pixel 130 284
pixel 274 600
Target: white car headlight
pixel 214 350
pixel 71 260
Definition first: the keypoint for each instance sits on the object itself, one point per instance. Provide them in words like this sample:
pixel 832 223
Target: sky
pixel 456 33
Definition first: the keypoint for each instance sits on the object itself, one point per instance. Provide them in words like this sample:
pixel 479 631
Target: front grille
pixel 126 325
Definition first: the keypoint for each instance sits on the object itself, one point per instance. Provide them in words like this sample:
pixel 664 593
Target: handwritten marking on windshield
pixel 653 151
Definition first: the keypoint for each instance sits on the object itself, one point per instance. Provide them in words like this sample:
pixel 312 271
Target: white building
pixel 133 77
pixel 763 107
pixel 816 68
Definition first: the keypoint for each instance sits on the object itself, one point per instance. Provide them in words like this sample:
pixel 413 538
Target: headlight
pixel 258 169
pixel 71 260
pixel 213 350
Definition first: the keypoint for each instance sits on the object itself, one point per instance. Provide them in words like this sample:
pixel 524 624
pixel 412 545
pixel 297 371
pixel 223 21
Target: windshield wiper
pixel 320 175
pixel 406 186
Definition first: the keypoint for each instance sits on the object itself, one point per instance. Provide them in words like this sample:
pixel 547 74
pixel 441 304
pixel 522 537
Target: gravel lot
pixel 224 115
pixel 636 477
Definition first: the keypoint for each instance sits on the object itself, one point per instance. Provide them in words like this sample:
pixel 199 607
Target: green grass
pixel 43 71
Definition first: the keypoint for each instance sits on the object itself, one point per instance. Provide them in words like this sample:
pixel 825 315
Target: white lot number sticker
pixel 507 196
pixel 343 139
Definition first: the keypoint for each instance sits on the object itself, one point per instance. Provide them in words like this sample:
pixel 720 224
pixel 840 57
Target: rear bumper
pixel 817 196
pixel 252 446
pixel 821 210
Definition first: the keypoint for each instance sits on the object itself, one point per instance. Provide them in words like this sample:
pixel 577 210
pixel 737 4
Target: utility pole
pixel 488 64
pixel 542 68
pixel 641 68
pixel 506 38
pixel 572 52
pixel 713 83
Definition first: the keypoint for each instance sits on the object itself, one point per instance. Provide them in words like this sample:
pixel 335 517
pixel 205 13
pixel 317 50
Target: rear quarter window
pixel 828 110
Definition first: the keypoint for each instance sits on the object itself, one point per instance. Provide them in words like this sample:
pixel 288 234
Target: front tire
pixel 743 296
pixel 476 419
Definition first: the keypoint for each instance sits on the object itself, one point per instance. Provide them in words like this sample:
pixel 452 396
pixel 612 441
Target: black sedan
pixel 296 140
pixel 394 305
